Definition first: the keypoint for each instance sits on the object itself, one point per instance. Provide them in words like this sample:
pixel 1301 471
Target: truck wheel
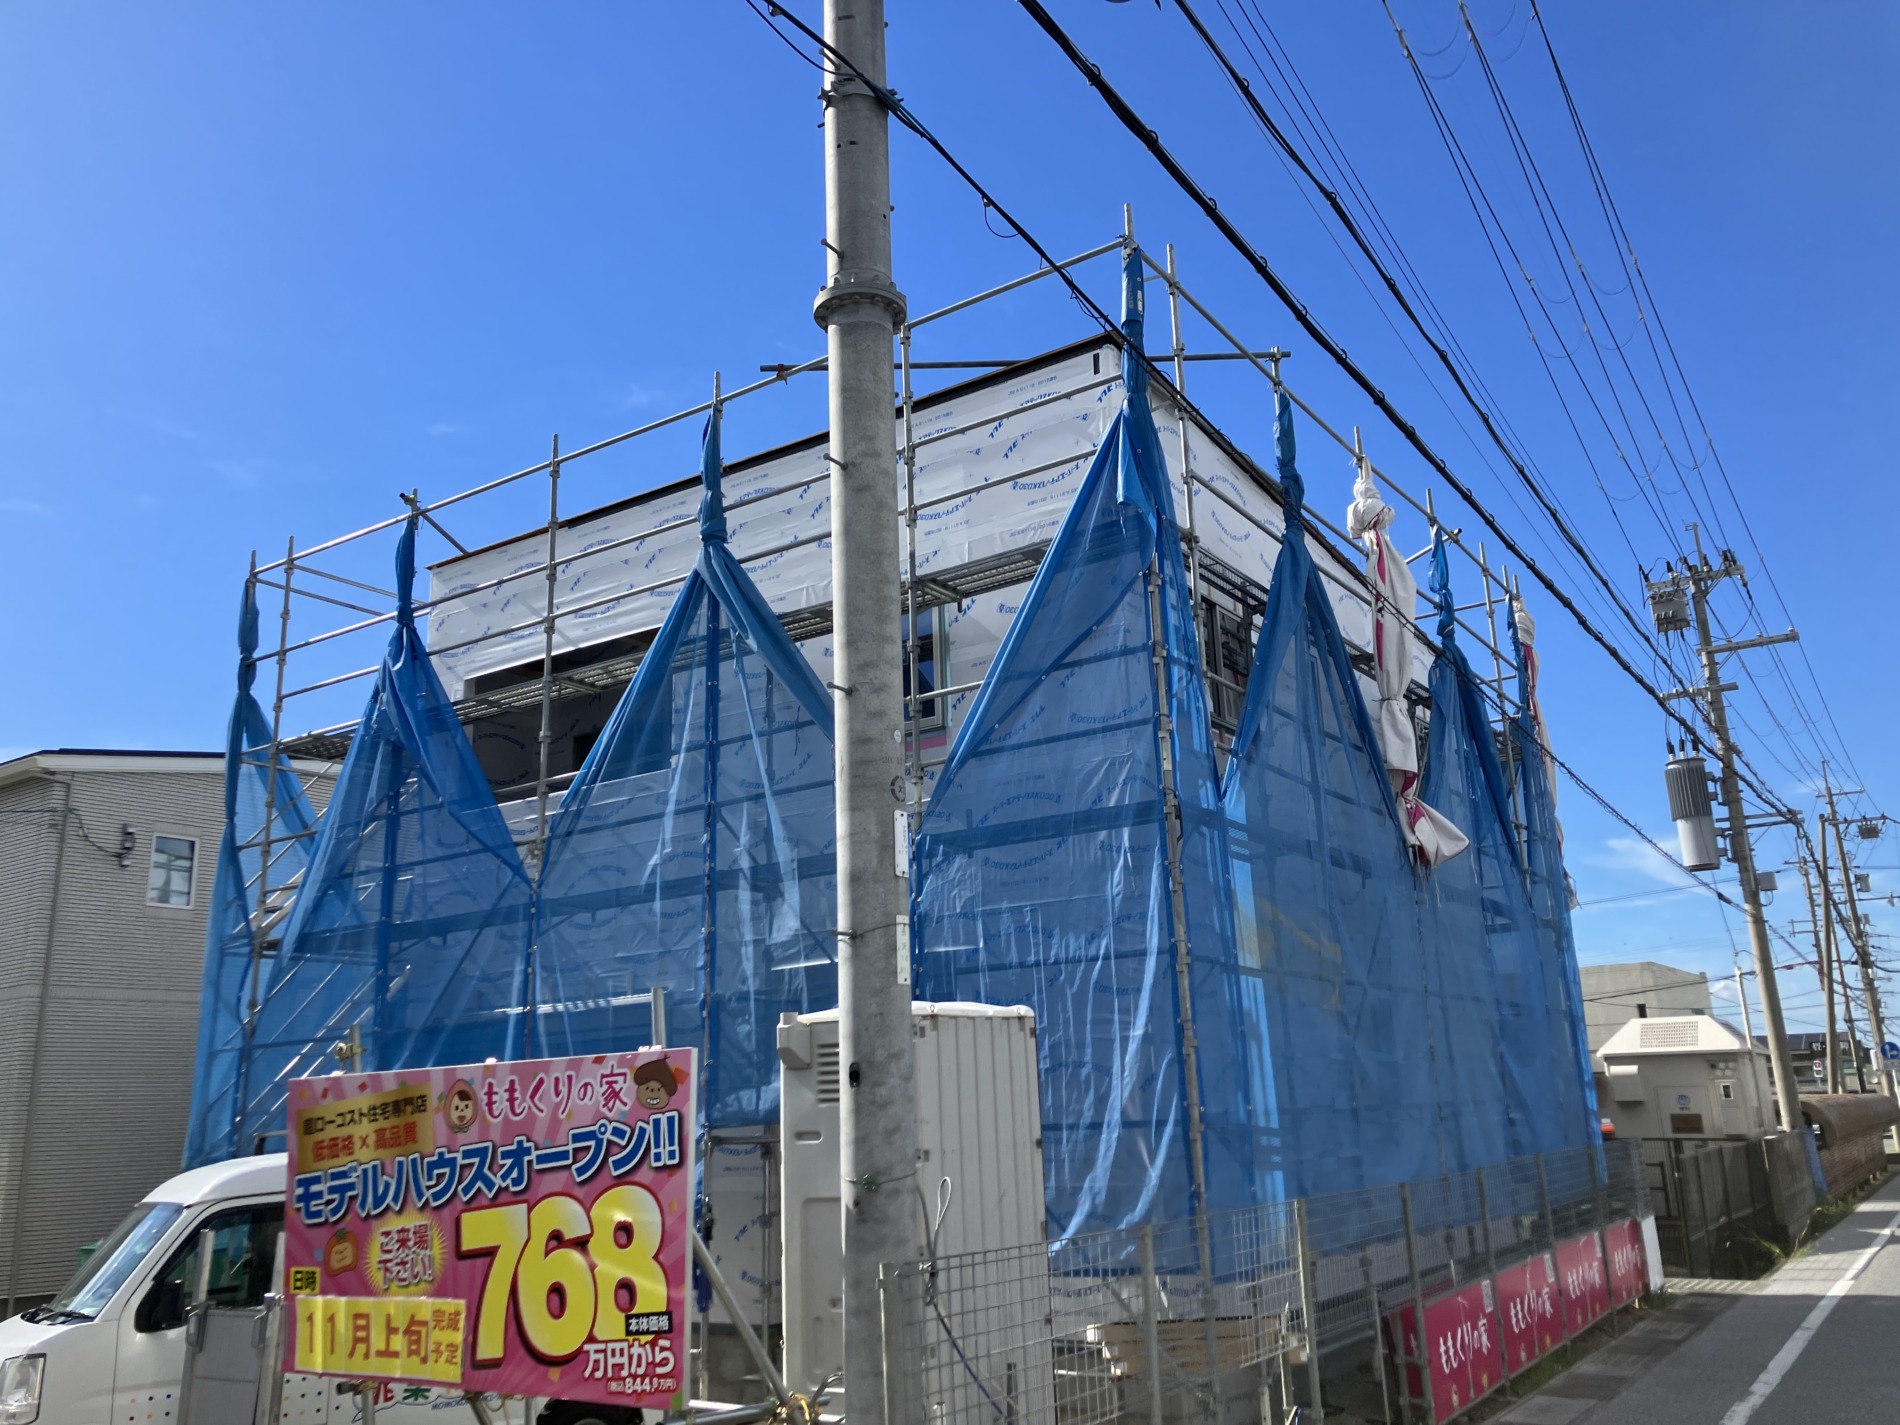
pixel 568 1412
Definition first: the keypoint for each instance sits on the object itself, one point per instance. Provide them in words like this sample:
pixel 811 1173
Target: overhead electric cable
pixel 1398 295
pixel 1133 122
pixel 1633 271
pixel 899 111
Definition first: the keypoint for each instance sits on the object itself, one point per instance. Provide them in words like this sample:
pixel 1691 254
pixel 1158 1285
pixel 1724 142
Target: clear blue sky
pixel 263 265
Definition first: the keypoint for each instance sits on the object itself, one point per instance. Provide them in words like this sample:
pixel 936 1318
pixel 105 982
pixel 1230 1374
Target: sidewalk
pixel 1816 1342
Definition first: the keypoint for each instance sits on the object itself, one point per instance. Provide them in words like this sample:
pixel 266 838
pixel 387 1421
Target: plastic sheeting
pixel 1327 905
pixel 410 933
pixel 1042 866
pixel 235 974
pixel 1573 1082
pixel 695 851
pixel 1491 967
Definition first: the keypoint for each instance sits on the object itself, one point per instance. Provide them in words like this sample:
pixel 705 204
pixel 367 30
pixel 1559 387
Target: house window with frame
pixel 174 858
pixel 930 639
pixel 1227 639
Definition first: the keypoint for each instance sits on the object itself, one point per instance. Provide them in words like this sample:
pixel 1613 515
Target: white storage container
pixel 979 1125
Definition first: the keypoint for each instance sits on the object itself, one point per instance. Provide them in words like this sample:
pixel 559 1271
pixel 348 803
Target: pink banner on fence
pixel 1580 1274
pixel 519 1228
pixel 1530 1310
pixel 1461 1346
pixel 1629 1272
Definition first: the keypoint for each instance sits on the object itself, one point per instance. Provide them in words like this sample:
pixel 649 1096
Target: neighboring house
pixel 1808 1054
pixel 1613 995
pixel 1685 1076
pixel 106 867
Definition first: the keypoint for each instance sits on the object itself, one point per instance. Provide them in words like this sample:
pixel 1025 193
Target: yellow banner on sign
pixel 380 1338
pixel 368 1127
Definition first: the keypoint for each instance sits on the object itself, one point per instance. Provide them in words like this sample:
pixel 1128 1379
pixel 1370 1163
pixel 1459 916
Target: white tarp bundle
pixel 1433 838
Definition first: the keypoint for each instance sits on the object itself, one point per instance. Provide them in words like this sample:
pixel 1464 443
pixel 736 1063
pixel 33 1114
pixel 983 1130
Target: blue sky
pixel 264 266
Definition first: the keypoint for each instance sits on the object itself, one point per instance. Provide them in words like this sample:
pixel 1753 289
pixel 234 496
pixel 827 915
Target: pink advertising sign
pixel 1530 1309
pixel 1629 1271
pixel 1461 1344
pixel 1580 1274
pixel 518 1228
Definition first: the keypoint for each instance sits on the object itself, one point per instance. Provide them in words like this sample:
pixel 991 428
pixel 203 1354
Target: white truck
pixel 126 1342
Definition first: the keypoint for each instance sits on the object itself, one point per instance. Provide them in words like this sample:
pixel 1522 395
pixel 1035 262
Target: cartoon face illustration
pixel 340 1255
pixel 460 1107
pixel 654 1084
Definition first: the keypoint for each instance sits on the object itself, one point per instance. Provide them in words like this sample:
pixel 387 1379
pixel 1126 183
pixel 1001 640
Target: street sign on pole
pixel 1890 1050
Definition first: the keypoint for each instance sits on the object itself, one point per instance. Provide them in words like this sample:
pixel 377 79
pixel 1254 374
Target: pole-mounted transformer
pixel 1691 808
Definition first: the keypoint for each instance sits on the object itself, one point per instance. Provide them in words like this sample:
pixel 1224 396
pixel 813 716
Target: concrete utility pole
pixel 1702 577
pixel 1824 965
pixel 1857 934
pixel 859 309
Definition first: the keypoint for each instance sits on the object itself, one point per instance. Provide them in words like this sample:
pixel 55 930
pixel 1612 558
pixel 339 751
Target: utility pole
pixel 1857 934
pixel 860 309
pixel 1823 960
pixel 1701 577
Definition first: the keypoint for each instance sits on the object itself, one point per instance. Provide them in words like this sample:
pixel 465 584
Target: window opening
pixel 170 881
pixel 931 640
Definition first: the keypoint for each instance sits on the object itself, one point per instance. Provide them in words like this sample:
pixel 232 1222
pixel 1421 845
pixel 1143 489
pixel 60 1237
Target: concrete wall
pixel 1612 995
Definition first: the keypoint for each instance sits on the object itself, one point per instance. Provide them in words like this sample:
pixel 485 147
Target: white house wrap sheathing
pixel 997 465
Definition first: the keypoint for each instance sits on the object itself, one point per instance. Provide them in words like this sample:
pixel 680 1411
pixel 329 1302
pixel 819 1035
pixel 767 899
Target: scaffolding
pixel 569 643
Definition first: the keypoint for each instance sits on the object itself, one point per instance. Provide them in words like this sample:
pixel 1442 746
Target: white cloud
pixel 1631 856
pixel 24 507
pixel 239 474
pixel 442 428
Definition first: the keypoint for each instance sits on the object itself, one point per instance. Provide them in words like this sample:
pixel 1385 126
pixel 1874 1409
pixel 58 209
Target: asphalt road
pixel 1814 1344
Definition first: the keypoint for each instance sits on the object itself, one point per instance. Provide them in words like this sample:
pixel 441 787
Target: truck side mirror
pixel 163 1307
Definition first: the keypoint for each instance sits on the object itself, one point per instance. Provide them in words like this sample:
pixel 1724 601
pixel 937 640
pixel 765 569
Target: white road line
pixel 1742 1409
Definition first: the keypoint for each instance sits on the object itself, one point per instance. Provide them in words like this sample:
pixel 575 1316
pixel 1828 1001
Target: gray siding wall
pixel 107 1118
pixel 29 825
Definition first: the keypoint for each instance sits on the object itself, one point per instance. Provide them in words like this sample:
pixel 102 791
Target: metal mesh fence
pixel 1721 1207
pixel 1229 1317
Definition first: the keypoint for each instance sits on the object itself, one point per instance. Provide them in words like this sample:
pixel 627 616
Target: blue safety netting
pixel 1573 1086
pixel 695 851
pixel 1325 895
pixel 1497 1034
pixel 1042 870
pixel 410 932
pixel 236 973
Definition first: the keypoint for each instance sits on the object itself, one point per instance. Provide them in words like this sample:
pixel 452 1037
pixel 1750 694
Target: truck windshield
pixel 107 1269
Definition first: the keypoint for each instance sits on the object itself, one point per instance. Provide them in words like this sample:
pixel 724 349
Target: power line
pixel 1633 271
pixel 1089 305
pixel 1137 126
pixel 1273 130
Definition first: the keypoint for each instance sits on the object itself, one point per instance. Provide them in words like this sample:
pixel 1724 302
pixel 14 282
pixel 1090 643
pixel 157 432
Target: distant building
pixel 1685 1076
pixel 1613 995
pixel 1808 1053
pixel 106 867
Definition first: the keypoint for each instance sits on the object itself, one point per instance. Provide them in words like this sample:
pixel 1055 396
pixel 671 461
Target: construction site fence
pixel 1726 1207
pixel 1249 1315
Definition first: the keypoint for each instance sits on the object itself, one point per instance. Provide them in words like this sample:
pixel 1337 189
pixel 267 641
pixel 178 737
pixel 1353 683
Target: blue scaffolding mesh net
pixel 1491 982
pixel 1573 1084
pixel 257 799
pixel 695 850
pixel 409 934
pixel 1243 992
pixel 1042 865
pixel 1326 897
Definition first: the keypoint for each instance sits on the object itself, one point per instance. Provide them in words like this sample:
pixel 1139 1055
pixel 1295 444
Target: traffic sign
pixel 1890 1050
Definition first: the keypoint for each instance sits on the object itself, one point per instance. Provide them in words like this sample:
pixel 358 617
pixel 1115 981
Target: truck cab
pixel 112 1346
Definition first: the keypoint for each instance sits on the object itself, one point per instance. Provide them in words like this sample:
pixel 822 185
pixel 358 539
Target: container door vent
pixel 827 1066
